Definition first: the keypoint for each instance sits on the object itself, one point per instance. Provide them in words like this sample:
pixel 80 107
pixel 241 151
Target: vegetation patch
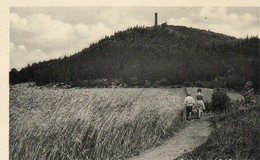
pixel 236 136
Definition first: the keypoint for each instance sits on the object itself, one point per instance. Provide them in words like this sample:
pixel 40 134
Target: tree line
pixel 161 56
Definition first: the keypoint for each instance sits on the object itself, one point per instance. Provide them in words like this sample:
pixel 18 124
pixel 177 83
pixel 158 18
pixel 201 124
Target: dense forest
pixel 153 56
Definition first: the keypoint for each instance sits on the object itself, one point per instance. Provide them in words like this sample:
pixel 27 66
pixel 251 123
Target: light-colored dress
pixel 199 101
pixel 199 104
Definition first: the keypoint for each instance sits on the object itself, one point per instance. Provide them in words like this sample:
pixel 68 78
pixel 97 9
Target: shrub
pixel 14 76
pixel 147 84
pixel 133 81
pixel 188 84
pixel 236 104
pixel 116 82
pixel 208 106
pixel 85 83
pixel 101 82
pixel 220 100
pixel 248 93
pixel 199 84
pixel 162 82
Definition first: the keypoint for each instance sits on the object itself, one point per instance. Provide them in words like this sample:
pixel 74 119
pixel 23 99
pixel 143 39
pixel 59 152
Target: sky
pixel 43 33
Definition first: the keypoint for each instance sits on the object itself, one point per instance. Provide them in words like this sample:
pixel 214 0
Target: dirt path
pixel 193 135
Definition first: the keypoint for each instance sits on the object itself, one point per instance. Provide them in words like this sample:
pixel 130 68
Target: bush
pixel 199 84
pixel 85 83
pixel 220 100
pixel 162 82
pixel 208 106
pixel 147 84
pixel 133 81
pixel 248 93
pixel 101 82
pixel 236 104
pixel 188 84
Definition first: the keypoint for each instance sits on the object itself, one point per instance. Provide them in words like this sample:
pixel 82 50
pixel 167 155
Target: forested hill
pixel 153 56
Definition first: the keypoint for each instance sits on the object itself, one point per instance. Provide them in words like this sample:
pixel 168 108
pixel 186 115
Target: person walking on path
pixel 189 103
pixel 199 103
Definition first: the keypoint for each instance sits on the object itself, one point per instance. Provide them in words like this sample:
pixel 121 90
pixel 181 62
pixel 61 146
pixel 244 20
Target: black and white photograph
pixel 134 82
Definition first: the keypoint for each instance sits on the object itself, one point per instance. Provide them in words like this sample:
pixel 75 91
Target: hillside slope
pixel 163 55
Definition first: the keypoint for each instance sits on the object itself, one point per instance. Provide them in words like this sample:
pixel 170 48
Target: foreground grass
pixel 90 123
pixel 235 136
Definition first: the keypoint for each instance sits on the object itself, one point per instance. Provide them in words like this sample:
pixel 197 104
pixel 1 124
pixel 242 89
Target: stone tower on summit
pixel 156 20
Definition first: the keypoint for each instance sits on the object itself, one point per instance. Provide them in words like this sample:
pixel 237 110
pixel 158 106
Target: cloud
pixel 53 33
pixel 219 20
pixel 42 29
pixel 20 56
pixel 122 18
pixel 56 38
pixel 41 35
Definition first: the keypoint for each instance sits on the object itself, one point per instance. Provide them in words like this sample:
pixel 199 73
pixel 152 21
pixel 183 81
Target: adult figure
pixel 199 103
pixel 189 103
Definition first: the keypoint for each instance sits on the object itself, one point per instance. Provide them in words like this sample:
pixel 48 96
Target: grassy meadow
pixel 51 123
pixel 93 123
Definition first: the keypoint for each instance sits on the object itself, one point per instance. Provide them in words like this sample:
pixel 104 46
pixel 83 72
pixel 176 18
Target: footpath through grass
pixel 235 136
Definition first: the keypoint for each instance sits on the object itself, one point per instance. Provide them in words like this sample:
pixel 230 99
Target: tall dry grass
pixel 90 123
pixel 235 136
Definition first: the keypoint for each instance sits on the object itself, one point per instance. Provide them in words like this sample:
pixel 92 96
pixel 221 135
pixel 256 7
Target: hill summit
pixel 153 56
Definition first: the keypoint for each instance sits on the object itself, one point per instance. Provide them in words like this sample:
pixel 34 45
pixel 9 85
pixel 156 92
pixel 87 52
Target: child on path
pixel 189 103
pixel 199 103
